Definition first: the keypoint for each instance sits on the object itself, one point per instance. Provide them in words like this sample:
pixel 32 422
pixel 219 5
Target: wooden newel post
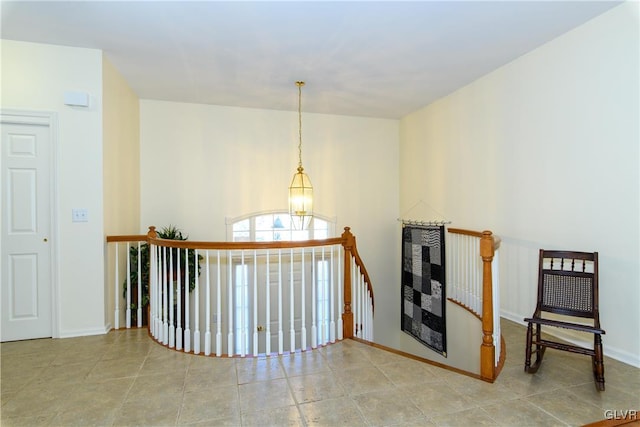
pixel 347 314
pixel 487 349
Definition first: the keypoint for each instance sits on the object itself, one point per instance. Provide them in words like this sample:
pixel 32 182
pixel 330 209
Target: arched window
pixel 269 227
pixel 276 226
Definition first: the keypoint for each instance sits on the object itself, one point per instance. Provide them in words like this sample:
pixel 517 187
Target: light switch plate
pixel 80 215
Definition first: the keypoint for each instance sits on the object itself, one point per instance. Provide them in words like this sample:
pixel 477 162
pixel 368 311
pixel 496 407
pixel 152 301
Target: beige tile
pixel 39 346
pixel 525 384
pixel 262 395
pixel 363 380
pixel 345 356
pixel 303 363
pixel 35 402
pixel 520 413
pixel 81 417
pixel 221 403
pixel 437 398
pixel 406 372
pixel 313 387
pixel 481 392
pixel 116 368
pixel 15 380
pixel 150 386
pixel 612 398
pixel 387 407
pixel 332 412
pixel 101 396
pixel 127 349
pixel 78 354
pixel 210 372
pixel 162 360
pixel 567 407
pixel 55 375
pixel 258 369
pixel 36 421
pixel 469 417
pixel 285 416
pixel 156 411
pixel 70 381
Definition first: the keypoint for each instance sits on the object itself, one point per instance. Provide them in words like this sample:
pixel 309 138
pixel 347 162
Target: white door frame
pixel 50 119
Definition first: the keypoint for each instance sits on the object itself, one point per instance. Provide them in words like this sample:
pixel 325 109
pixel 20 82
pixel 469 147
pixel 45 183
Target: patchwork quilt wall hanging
pixel 423 285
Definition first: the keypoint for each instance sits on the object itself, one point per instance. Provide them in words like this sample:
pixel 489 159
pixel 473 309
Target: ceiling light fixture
pixel 300 191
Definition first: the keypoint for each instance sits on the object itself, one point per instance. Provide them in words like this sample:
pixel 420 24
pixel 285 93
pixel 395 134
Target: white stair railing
pixel 472 282
pixel 251 292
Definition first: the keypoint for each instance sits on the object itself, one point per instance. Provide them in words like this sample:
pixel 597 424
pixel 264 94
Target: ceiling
pixel 375 59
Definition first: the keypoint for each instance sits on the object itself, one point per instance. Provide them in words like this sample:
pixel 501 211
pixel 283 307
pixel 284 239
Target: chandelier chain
pixel 300 84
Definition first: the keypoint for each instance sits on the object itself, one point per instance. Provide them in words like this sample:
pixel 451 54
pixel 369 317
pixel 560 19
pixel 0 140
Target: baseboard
pixel 84 332
pixel 609 351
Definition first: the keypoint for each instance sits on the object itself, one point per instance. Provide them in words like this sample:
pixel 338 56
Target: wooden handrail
pixel 127 238
pixel 190 244
pixel 360 264
pixel 346 240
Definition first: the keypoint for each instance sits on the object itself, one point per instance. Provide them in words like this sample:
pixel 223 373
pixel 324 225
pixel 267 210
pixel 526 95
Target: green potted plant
pixel 170 232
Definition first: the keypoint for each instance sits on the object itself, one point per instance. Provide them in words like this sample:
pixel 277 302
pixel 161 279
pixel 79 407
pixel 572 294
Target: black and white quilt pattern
pixel 423 285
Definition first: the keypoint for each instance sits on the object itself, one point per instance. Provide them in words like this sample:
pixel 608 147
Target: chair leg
pixel 598 362
pixel 527 350
pixel 539 349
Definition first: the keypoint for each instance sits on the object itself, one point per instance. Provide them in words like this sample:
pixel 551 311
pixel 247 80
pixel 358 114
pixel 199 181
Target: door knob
pixel 45 240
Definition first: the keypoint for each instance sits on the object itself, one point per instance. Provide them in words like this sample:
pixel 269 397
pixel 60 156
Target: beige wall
pixel 545 152
pixel 121 162
pixel 201 164
pixel 34 78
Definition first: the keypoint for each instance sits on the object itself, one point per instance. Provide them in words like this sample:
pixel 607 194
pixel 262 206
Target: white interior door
pixel 26 227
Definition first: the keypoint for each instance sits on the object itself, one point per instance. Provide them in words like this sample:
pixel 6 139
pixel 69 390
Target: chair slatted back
pixel 568 283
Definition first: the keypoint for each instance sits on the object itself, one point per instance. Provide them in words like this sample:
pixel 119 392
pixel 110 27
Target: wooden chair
pixel 567 286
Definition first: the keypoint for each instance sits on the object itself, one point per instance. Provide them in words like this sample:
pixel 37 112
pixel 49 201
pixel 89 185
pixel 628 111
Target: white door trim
pixel 50 119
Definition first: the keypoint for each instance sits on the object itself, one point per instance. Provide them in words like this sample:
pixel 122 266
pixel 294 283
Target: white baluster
pixel 314 293
pixel 332 323
pixel 165 299
pixel 139 313
pixel 303 328
pixel 153 291
pixel 230 339
pixel 255 303
pixel 354 296
pixel 196 306
pixel 340 292
pixel 268 307
pixel 116 314
pixel 218 312
pixel 128 310
pixel 243 300
pixel 207 305
pixel 158 268
pixel 280 332
pixel 187 299
pixel 292 329
pixel 172 327
pixel 179 331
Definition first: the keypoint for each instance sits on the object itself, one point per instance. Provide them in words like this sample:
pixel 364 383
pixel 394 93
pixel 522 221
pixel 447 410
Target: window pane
pixel 264 222
pixel 277 227
pixel 264 236
pixel 297 235
pixel 241 236
pixel 243 225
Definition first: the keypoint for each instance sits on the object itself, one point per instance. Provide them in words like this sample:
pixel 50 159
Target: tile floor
pixel 125 379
